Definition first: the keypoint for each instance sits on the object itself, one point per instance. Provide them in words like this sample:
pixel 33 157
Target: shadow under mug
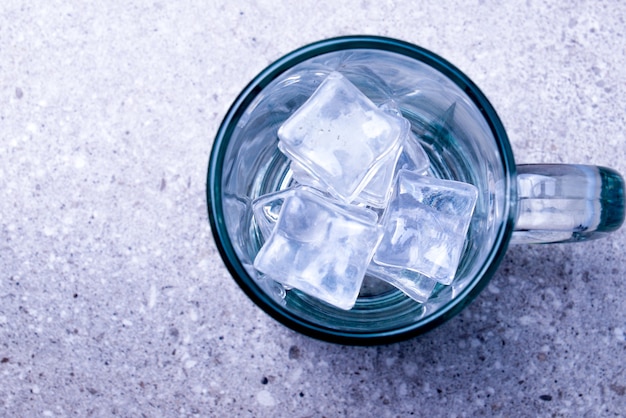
pixel 465 141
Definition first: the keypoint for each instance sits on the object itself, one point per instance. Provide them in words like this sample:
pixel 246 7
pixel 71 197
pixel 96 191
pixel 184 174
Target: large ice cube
pixel 378 189
pixel 320 248
pixel 425 225
pixel 339 137
pixel 410 155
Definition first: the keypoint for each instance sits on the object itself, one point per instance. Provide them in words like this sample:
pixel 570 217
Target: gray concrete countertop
pixel 114 300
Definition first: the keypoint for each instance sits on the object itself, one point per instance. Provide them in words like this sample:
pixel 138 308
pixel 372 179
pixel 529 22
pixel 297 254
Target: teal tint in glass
pixel 464 140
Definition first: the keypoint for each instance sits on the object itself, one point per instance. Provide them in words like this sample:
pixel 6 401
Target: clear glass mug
pixel 464 140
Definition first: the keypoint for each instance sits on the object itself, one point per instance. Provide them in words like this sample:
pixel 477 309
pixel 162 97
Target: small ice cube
pixel 303 177
pixel 391 107
pixel 320 248
pixel 339 137
pixel 409 156
pixel 415 285
pixel 425 225
pixel 266 210
pixel 413 157
pixel 377 191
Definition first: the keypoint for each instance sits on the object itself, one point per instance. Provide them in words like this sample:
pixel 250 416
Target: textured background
pixel 113 299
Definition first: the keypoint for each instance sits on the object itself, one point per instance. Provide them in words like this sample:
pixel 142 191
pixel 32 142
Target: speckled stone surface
pixel 114 300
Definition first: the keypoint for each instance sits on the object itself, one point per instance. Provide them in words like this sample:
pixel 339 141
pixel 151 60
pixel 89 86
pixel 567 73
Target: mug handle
pixel 567 203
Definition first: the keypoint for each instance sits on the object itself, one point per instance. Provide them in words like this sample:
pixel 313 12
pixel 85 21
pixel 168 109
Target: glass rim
pixel 216 213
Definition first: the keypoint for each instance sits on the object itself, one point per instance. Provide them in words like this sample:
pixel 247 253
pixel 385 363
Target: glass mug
pixel 464 140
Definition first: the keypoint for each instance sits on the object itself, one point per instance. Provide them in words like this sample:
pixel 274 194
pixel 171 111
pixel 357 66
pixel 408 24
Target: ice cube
pixel 409 156
pixel 377 191
pixel 413 157
pixel 320 248
pixel 339 137
pixel 425 225
pixel 415 285
pixel 266 210
pixel 303 177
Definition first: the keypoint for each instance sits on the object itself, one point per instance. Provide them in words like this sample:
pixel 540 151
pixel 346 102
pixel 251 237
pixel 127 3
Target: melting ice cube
pixel 425 225
pixel 320 248
pixel 340 138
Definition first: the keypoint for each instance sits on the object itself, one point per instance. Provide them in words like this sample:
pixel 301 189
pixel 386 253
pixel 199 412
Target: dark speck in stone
pixel 264 381
pixel 4 360
pixel 545 397
pixel 618 389
pixel 174 332
pixel 294 352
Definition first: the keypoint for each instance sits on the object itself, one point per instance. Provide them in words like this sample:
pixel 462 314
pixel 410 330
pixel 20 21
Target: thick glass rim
pixel 216 210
